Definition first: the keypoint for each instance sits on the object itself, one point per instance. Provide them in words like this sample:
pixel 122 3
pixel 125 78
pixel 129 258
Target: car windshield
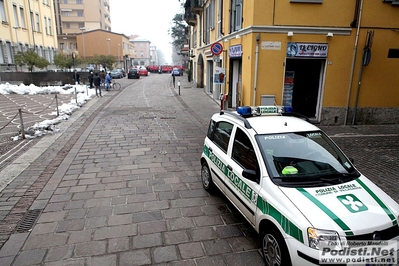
pixel 305 157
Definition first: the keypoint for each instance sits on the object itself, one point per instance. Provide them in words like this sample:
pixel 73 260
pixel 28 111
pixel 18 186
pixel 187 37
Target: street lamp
pixel 83 42
pixel 119 58
pixel 108 40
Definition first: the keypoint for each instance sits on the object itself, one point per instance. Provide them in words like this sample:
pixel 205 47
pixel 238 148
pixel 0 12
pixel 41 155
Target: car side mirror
pixel 251 175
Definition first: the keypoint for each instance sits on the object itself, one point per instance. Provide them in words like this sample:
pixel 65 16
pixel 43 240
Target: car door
pixel 217 144
pixel 242 191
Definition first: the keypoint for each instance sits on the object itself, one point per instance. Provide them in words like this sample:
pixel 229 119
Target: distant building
pixel 99 42
pixel 142 54
pixel 73 16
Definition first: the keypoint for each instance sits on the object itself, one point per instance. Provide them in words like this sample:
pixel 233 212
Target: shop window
pixel 393 53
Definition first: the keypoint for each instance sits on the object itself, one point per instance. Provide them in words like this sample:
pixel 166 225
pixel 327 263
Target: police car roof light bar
pixel 248 111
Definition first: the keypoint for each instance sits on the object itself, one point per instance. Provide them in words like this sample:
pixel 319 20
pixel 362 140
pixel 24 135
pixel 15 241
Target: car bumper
pixel 303 255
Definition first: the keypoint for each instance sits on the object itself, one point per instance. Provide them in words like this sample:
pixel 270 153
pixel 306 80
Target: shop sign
pixel 297 49
pixel 235 51
pixel 271 45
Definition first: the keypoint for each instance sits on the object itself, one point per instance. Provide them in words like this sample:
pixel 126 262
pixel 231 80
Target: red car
pixel 143 71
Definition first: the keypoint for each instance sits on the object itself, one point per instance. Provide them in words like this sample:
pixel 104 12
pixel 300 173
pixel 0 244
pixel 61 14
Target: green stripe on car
pixel 327 211
pixel 382 205
pixel 288 227
pixel 265 207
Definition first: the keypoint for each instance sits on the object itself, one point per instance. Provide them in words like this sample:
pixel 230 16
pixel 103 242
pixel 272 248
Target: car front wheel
pixel 206 177
pixel 274 250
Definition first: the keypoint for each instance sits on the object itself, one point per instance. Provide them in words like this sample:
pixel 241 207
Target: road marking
pixel 1 162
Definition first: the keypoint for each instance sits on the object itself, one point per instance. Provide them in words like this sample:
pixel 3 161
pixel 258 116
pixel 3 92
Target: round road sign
pixel 216 48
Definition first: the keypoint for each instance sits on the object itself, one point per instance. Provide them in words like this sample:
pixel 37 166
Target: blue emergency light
pixel 247 111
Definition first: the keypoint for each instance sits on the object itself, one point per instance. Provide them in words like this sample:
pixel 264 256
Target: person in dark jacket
pixel 91 76
pixel 76 77
pixel 102 77
pixel 97 83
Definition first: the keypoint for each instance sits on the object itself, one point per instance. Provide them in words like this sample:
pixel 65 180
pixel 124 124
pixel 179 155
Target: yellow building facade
pixel 27 24
pixel 332 61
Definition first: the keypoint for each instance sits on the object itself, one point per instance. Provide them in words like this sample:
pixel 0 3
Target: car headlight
pixel 322 238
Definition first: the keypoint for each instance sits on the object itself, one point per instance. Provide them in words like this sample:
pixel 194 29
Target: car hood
pixel 353 208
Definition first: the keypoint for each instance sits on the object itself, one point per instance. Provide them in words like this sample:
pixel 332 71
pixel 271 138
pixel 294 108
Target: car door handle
pixel 210 149
pixel 230 168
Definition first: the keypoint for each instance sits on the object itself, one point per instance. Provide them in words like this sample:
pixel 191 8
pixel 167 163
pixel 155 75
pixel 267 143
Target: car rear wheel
pixel 274 250
pixel 206 178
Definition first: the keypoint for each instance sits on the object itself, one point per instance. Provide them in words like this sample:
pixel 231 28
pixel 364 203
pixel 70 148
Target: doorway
pixel 305 79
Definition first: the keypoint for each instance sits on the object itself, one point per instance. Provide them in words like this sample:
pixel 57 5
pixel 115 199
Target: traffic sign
pixel 216 48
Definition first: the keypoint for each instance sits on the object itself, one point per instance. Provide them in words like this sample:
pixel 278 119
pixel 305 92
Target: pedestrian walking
pixel 97 84
pixel 76 77
pixel 102 77
pixel 108 80
pixel 91 76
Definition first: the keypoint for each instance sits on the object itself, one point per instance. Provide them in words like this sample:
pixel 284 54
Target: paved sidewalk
pixel 120 185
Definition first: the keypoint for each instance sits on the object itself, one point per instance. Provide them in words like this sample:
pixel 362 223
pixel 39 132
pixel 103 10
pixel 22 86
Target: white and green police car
pixel 295 187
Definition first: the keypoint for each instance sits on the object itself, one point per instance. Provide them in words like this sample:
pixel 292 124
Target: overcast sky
pixel 150 19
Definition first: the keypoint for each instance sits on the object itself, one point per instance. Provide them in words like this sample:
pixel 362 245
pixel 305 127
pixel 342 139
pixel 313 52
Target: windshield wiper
pixel 339 178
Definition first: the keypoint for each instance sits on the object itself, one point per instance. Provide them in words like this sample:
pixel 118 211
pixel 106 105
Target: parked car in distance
pixel 133 73
pixel 122 70
pixel 143 71
pixel 115 74
pixel 176 72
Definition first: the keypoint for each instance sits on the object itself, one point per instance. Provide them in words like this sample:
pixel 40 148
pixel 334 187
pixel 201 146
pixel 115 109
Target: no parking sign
pixel 216 48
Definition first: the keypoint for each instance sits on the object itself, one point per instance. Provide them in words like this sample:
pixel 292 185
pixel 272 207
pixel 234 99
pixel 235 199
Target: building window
pixel 212 15
pixel 14 9
pixel 207 33
pixel 37 22
pixel 220 19
pixel 9 53
pixel 80 13
pixel 79 2
pixel 68 25
pixel 1 53
pixel 61 46
pixel 235 15
pixel 65 13
pixel 49 27
pixel 22 16
pixel 2 11
pixel 32 22
pixel 45 25
pixel 65 1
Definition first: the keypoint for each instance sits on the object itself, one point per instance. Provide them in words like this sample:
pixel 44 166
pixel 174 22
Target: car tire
pixel 206 177
pixel 274 249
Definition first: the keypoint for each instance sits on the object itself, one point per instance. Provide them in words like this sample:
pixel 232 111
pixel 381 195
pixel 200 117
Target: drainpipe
pixel 256 66
pixel 353 63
